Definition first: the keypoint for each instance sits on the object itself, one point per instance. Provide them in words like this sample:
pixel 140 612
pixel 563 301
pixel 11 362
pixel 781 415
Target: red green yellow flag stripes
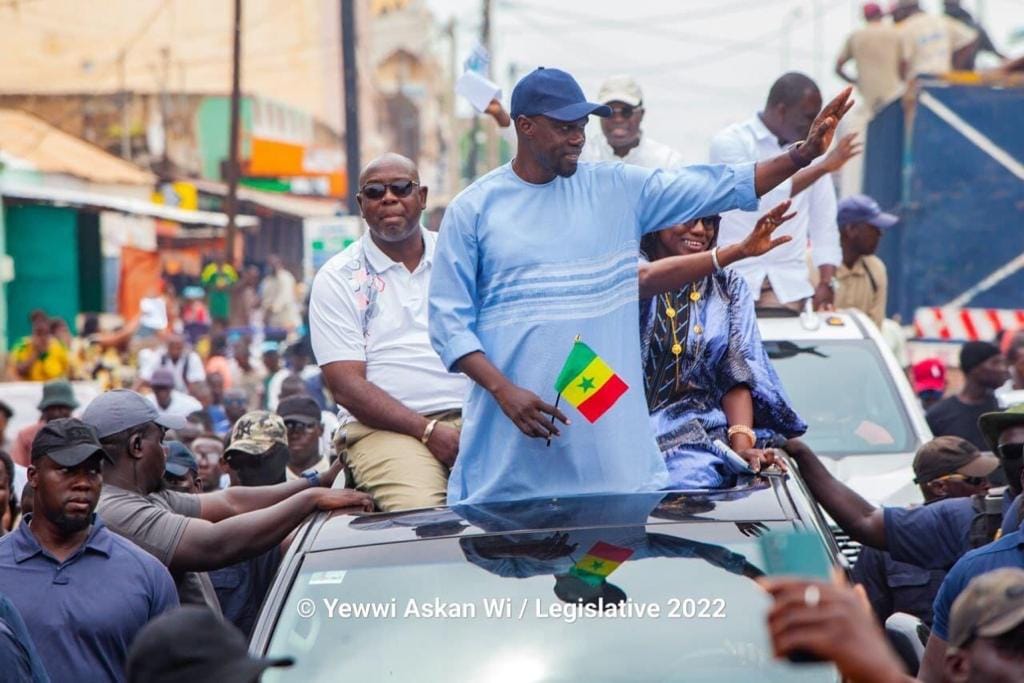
pixel 600 561
pixel 588 383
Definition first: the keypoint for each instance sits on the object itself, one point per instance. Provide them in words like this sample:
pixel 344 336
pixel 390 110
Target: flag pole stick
pixel 558 396
pixel 557 399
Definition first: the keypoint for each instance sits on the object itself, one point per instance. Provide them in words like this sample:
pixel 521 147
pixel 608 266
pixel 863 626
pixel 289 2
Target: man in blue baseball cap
pixel 542 251
pixel 863 281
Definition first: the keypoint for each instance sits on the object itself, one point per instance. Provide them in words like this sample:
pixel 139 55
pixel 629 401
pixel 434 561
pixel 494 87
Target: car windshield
pixel 502 607
pixel 843 391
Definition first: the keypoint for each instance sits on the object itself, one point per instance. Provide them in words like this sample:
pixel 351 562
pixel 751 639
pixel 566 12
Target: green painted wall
pixel 43 241
pixel 213 121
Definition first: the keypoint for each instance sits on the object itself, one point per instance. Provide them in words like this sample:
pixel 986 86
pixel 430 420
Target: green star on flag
pixel 586 384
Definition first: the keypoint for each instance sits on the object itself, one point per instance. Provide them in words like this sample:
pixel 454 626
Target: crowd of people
pixel 433 364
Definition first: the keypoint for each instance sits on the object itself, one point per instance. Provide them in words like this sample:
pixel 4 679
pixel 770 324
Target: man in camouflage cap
pixel 986 629
pixel 258 451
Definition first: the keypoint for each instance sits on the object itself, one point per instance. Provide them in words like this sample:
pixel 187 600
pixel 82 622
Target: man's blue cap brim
pixel 577 110
pixel 176 470
pixel 884 220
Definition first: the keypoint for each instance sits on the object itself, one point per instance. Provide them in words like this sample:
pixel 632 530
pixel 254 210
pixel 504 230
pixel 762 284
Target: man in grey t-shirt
pixel 189 533
pixel 156 523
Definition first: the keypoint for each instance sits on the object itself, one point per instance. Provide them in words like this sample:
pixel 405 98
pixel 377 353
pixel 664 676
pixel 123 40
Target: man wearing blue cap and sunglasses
pixel 863 280
pixel 544 250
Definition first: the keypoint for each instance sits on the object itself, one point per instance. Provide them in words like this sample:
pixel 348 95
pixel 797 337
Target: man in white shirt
pixel 168 400
pixel 185 365
pixel 780 277
pixel 931 44
pixel 401 408
pixel 623 140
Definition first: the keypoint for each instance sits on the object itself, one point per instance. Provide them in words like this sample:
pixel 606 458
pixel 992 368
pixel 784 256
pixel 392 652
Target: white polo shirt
pixel 366 307
pixel 814 223
pixel 648 154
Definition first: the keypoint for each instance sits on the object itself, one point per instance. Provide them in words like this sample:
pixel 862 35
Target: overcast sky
pixel 702 63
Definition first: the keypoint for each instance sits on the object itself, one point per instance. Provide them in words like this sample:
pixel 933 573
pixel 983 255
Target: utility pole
pixel 819 42
pixel 126 141
pixel 231 202
pixel 453 127
pixel 485 39
pixel 350 85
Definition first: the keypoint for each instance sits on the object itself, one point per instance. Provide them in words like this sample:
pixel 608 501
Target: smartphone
pixel 733 457
pixel 795 553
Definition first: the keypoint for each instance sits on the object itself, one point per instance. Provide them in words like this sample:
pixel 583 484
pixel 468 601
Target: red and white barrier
pixel 965 324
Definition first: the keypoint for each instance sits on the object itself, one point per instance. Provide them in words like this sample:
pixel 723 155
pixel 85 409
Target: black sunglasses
pixel 296 426
pixel 1010 451
pixel 399 188
pixel 710 222
pixel 625 111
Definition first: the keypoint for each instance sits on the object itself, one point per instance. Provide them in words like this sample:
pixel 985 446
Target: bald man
pixel 400 408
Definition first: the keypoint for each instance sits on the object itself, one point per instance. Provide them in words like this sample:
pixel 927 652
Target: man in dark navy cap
pixel 862 278
pixel 83 591
pixel 544 250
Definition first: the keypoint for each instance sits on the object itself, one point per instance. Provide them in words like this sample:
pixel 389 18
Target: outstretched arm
pixel 863 521
pixel 672 273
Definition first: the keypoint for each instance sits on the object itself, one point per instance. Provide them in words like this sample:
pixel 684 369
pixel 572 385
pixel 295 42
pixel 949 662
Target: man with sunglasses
pixel 623 140
pixel 192 534
pixel 400 407
pixel 1004 433
pixel 945 468
pixel 302 420
pixel 543 251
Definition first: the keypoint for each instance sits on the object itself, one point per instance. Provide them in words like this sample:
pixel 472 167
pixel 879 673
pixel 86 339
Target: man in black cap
pixel 181 473
pixel 58 401
pixel 301 416
pixel 83 592
pixel 191 644
pixel 984 371
pixel 1004 434
pixel 945 468
pixel 543 251
pixel 191 534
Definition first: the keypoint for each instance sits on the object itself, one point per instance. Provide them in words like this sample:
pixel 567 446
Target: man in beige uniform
pixel 931 44
pixel 876 49
pixel 863 281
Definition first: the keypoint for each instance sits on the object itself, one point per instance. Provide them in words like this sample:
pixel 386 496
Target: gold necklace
pixel 671 313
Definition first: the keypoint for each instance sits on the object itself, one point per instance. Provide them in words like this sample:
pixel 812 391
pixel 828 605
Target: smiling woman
pixel 706 375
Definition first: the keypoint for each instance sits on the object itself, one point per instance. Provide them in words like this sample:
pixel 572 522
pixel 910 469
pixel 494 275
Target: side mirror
pixel 907 635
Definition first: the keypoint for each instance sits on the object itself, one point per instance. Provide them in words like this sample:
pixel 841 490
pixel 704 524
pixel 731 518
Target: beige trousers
pixel 397 470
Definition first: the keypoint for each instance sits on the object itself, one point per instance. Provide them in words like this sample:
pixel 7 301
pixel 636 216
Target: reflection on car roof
pixel 756 499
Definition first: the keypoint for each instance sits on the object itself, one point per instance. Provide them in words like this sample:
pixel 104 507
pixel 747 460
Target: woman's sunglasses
pixel 1010 451
pixel 710 222
pixel 399 188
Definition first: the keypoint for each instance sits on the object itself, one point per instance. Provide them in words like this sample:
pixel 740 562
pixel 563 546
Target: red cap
pixel 872 10
pixel 929 375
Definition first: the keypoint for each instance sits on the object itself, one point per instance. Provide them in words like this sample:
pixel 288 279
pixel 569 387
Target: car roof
pixel 838 325
pixel 761 499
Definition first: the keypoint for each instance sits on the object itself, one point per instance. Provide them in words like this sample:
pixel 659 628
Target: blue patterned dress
pixel 716 326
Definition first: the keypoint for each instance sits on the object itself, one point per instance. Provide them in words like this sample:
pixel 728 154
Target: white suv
pixel 862 415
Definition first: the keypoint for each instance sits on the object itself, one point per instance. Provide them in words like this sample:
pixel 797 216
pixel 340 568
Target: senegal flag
pixel 588 383
pixel 600 561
